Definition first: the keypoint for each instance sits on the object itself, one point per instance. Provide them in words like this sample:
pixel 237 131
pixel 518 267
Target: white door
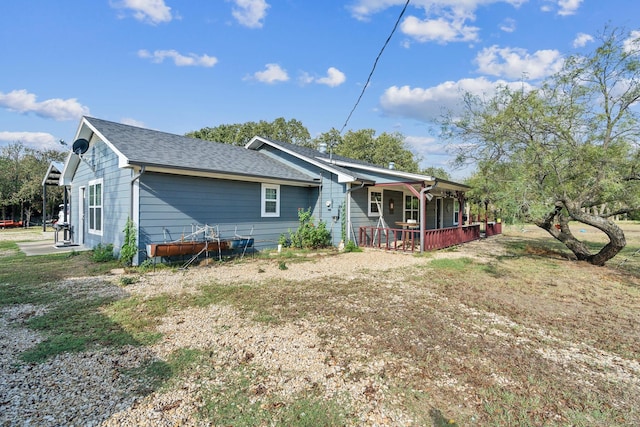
pixel 81 216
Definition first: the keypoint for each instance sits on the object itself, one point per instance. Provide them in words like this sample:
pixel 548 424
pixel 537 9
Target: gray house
pixel 168 184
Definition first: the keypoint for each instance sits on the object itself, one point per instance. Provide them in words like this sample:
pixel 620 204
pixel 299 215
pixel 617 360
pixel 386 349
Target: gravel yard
pixel 348 349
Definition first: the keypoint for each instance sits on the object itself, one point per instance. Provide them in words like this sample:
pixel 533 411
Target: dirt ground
pixel 477 335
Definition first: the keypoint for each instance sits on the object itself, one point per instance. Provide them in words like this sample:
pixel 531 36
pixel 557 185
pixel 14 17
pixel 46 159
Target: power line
pixel 375 64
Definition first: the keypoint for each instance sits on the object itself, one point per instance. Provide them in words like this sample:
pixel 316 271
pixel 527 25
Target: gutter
pixel 133 180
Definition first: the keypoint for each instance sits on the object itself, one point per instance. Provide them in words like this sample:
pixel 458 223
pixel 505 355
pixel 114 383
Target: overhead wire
pixel 375 63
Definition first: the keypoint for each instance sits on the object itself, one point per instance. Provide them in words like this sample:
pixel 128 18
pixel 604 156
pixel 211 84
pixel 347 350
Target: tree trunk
pixel 563 233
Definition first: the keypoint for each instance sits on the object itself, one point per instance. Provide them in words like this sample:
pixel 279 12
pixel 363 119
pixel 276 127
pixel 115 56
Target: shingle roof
pixel 310 153
pixel 154 148
pixel 318 155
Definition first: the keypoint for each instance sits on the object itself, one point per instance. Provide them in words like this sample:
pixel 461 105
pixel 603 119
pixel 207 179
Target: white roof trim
pixel 123 161
pixel 256 141
pixel 87 131
pixel 392 172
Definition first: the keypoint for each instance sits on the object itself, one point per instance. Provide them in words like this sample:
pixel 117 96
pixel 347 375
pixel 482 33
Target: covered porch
pixel 420 216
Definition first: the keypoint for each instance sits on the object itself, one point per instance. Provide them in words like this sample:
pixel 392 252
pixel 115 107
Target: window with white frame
pixel 270 200
pixel 411 207
pixel 456 211
pixel 375 202
pixel 95 206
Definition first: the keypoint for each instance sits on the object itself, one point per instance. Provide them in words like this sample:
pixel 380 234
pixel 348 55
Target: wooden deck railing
pixel 408 240
pixel 493 228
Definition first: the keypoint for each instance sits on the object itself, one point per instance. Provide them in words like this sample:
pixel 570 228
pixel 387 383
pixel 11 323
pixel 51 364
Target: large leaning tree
pixel 566 150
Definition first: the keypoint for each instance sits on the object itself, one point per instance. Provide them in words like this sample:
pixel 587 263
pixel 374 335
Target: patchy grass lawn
pixel 506 331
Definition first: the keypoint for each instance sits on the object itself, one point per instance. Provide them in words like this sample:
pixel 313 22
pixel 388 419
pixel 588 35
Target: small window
pixel 375 202
pixel 95 206
pixel 456 211
pixel 411 207
pixel 270 200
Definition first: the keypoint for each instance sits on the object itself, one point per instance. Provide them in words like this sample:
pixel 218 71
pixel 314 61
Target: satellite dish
pixel 80 146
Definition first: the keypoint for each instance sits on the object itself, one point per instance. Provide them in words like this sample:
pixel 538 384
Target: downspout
pixel 135 260
pixel 133 180
pixel 423 212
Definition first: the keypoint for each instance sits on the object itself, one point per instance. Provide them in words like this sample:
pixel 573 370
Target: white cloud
pixel 273 73
pixel 633 42
pixel 179 59
pixel 24 102
pixel 440 30
pixel 250 13
pixel 568 7
pixel 334 78
pixel 305 78
pixel 508 25
pixel 429 104
pixel 563 7
pixel 582 39
pixel 517 63
pixel 426 145
pixel 444 20
pixel 132 122
pixel 151 11
pixel 39 140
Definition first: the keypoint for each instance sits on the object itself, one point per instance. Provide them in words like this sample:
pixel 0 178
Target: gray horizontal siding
pixel 170 205
pixel 101 162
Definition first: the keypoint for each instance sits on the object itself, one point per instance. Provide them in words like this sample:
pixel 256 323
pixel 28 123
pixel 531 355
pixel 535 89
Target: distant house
pixel 168 184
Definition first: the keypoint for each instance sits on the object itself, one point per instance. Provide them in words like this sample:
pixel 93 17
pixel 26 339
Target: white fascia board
pixel 256 141
pixel 69 169
pixel 123 161
pixel 392 172
pixel 86 130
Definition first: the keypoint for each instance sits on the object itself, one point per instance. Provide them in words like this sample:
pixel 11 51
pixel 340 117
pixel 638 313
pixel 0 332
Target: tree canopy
pixel 292 131
pixel 366 146
pixel 564 150
pixel 360 145
pixel 21 172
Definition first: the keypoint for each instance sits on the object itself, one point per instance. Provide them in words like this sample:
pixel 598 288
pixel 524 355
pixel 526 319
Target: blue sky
pixel 179 66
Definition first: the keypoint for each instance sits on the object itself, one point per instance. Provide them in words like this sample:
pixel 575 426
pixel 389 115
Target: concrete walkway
pixel 46 247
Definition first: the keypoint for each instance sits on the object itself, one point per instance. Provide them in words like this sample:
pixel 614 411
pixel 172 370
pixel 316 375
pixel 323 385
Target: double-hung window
pixel 411 207
pixel 375 202
pixel 95 206
pixel 270 200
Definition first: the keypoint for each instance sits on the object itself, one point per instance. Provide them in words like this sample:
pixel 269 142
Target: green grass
pixel 73 320
pixel 243 400
pixel 452 264
pixel 443 319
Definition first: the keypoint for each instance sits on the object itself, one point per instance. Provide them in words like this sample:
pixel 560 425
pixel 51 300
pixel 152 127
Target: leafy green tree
pixel 331 139
pixel 559 152
pixel 361 145
pixel 21 172
pixel 436 171
pixel 387 147
pixel 291 131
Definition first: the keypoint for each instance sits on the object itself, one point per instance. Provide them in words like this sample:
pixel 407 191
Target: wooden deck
pixel 408 240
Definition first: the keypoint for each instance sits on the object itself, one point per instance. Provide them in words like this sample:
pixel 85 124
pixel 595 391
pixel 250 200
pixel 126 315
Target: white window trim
pixel 93 183
pixel 374 190
pixel 404 206
pixel 263 200
pixel 455 211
